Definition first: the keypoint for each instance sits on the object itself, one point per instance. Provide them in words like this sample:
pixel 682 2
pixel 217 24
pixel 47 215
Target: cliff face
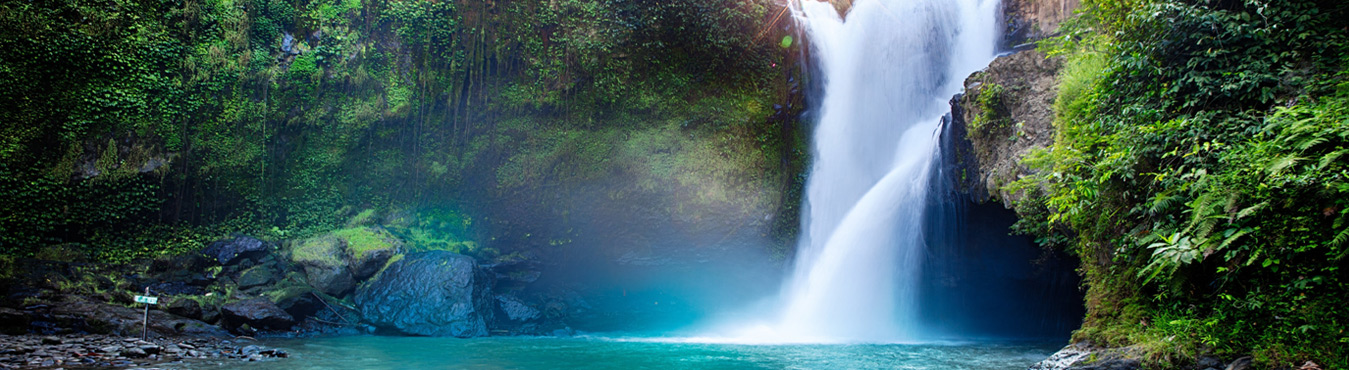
pixel 1005 111
pixel 1031 20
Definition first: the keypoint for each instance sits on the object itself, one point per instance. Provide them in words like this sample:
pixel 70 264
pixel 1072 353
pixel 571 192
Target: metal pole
pixel 145 323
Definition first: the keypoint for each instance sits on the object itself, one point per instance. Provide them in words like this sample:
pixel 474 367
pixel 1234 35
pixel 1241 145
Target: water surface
pixel 372 352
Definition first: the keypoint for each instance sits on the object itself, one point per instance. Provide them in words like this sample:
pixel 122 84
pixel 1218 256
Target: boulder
pixel 324 268
pixel 184 307
pixel 431 293
pixel 368 249
pixel 516 310
pixel 229 251
pixel 257 313
pixel 296 299
pixel 256 276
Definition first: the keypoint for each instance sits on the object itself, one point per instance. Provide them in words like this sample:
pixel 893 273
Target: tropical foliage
pixel 1199 172
pixel 283 118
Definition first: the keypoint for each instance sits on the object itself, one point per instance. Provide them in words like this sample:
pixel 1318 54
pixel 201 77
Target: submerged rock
pixel 432 293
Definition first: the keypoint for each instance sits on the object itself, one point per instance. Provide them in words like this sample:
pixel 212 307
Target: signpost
pixel 145 323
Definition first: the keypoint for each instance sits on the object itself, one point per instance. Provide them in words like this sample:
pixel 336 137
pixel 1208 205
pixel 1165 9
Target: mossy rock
pixel 368 249
pixel 322 250
pixel 334 262
pixel 324 264
pixel 294 296
pixel 256 276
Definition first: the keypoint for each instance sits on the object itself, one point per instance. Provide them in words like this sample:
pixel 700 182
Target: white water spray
pixel 889 71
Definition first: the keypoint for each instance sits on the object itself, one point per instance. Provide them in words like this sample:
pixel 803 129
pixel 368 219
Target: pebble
pixel 28 351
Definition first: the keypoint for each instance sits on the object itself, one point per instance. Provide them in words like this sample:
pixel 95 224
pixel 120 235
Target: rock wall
pixel 1032 20
pixel 1006 110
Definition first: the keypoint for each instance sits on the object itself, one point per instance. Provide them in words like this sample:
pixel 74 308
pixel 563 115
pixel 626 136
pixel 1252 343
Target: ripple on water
pixel 371 352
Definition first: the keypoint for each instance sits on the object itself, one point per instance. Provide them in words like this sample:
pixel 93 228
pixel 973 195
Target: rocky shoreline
pixel 100 351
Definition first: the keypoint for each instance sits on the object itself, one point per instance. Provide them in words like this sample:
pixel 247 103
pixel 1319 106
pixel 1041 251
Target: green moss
pixel 293 285
pixel 364 218
pixel 360 241
pixel 324 250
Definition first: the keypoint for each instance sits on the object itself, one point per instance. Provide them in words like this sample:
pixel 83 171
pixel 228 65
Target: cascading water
pixel 889 71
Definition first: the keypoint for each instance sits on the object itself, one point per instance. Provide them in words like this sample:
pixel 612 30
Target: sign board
pixel 147 300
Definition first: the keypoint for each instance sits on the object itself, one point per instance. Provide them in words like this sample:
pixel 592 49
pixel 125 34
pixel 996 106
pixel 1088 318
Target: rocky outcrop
pixel 516 310
pixel 430 293
pixel 1006 112
pixel 1031 20
pixel 73 313
pixel 324 269
pixel 258 313
pixel 1085 356
pixel 335 262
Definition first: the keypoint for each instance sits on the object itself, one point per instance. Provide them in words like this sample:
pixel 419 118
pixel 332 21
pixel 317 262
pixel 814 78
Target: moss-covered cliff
pixel 135 128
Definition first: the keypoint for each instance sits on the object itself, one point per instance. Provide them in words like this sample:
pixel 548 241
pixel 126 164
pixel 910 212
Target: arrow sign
pixel 147 300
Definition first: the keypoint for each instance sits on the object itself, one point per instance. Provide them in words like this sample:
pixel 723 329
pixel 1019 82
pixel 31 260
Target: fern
pixel 1329 159
pixel 1309 142
pixel 1232 238
pixel 1162 202
pixel 1282 163
pixel 1248 211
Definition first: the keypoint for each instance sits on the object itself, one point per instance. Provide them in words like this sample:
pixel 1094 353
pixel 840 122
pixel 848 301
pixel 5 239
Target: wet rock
pixel 299 301
pixel 564 332
pixel 1111 364
pixel 1064 358
pixel 432 293
pixel 257 312
pixel 1240 363
pixel 515 309
pixel 132 352
pixel 227 252
pixel 102 351
pixel 184 307
pixel 81 314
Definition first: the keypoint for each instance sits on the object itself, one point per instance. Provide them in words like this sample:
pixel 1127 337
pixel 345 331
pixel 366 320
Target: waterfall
pixel 889 70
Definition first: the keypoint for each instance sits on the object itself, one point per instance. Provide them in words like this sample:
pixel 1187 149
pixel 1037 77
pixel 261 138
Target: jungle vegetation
pixel 1200 173
pixel 133 128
